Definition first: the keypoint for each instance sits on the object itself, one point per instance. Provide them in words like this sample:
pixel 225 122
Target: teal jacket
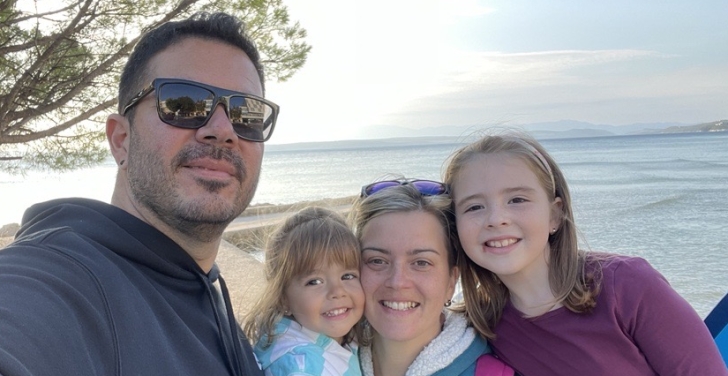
pixel 302 352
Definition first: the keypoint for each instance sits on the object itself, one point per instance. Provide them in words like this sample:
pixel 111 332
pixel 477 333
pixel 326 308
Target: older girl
pixel 550 308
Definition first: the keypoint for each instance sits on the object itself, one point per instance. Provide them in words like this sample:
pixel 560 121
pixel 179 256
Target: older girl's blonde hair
pixel 485 296
pixel 304 242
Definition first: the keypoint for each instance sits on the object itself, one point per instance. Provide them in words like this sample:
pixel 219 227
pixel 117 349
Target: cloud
pixel 603 86
pixel 533 68
pixel 427 86
pixel 460 79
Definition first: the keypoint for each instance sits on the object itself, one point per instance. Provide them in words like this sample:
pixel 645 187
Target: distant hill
pixel 365 144
pixel 571 133
pixel 573 127
pixel 716 126
pixel 389 136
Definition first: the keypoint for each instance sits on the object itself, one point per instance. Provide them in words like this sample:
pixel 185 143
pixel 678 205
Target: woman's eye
pixel 376 264
pixel 375 261
pixel 518 200
pixel 422 263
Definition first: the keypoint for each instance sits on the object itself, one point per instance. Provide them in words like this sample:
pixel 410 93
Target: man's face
pixel 195 180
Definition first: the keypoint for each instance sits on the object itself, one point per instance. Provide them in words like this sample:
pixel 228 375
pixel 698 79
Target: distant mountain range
pixel 383 136
pixel 716 126
pixel 555 129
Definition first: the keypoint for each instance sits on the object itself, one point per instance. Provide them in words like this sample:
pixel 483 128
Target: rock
pixel 9 230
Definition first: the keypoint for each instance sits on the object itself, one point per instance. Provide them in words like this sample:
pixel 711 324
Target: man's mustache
pixel 190 153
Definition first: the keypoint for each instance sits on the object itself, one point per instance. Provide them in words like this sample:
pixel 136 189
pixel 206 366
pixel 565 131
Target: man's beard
pixel 153 185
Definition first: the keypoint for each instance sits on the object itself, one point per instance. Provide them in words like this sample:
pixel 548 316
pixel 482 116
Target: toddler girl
pixel 302 324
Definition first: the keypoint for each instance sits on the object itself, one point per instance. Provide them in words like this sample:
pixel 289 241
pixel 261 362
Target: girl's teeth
pixel 335 312
pixel 500 243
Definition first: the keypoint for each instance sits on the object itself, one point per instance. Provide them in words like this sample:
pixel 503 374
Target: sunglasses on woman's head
pixel 425 187
pixel 190 104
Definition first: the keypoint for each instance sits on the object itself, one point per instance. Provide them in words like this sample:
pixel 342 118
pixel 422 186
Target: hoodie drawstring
pixel 233 326
pixel 226 326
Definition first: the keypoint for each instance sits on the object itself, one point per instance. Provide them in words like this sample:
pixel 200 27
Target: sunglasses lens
pixel 429 188
pixel 252 119
pixel 425 187
pixel 184 106
pixel 378 186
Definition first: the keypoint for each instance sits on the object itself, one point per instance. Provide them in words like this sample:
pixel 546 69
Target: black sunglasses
pixel 190 104
pixel 425 187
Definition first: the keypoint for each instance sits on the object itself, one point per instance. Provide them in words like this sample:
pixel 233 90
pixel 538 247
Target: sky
pixel 430 63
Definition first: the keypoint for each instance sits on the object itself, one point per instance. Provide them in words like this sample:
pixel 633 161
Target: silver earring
pixel 448 303
pixel 553 231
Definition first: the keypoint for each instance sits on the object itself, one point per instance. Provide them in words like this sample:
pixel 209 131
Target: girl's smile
pixel 504 216
pixel 501 245
pixel 329 300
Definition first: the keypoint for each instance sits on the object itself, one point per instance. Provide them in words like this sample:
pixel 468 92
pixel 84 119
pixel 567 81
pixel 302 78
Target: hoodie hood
pixel 129 237
pixel 128 257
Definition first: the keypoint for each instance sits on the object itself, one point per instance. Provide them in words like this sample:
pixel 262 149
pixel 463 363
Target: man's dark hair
pixel 216 26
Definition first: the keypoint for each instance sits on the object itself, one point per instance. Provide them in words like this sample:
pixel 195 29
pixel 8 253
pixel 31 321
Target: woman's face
pixel 405 276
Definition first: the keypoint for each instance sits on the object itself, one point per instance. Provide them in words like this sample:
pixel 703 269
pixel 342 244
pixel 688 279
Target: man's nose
pixel 218 129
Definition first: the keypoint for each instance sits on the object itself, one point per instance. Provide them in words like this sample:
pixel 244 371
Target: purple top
pixel 640 326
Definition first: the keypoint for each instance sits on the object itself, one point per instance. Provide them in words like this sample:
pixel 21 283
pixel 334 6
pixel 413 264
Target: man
pixel 131 288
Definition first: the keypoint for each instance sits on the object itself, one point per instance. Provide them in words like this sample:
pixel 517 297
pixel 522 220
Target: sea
pixel 661 197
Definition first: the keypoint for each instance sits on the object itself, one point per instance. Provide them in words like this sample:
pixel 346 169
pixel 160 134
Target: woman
pixel 409 275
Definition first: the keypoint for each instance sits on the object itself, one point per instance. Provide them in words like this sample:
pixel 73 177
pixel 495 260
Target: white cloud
pixel 533 68
pixel 475 79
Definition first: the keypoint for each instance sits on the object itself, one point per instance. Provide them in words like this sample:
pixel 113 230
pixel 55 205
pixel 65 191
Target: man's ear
pixel 118 133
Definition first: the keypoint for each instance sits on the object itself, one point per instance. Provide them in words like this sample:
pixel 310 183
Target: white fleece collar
pixel 454 339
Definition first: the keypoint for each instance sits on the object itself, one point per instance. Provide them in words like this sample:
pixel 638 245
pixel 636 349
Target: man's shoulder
pixel 47 242
pixel 54 259
pixel 50 296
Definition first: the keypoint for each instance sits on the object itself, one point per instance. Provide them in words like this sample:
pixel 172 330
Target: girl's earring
pixel 553 231
pixel 448 303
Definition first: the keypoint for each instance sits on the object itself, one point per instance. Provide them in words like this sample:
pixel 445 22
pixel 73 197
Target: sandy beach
pixel 239 253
